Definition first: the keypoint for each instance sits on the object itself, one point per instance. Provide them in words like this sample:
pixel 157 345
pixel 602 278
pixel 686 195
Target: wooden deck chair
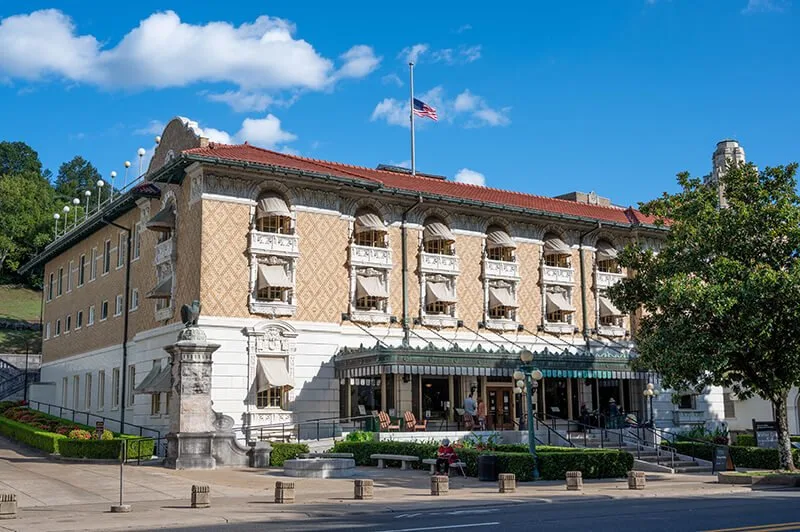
pixel 413 425
pixel 386 422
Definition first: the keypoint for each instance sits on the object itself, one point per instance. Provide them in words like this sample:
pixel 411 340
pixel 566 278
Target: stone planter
pixel 507 482
pixel 284 492
pixel 363 489
pixel 440 485
pixel 201 496
pixel 574 480
pixel 636 480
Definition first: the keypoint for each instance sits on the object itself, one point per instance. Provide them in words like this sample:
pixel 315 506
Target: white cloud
pixel 470 177
pixel 466 101
pixel 392 79
pixel 395 112
pixel 162 51
pixel 242 101
pixel 264 132
pixel 473 109
pixel 155 127
pixel 764 6
pixel 410 54
pixel 463 28
pixel 486 116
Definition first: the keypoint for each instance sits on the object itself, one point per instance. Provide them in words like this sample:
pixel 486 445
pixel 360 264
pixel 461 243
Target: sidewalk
pixel 77 496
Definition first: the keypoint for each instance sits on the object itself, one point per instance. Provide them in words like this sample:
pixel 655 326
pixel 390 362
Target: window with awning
pixel 608 309
pixel 272 373
pixel 273 215
pixel 607 257
pixel 163 221
pixel 370 286
pixel 369 230
pixel 163 290
pixel 553 245
pixel 501 297
pixel 437 238
pixel 499 245
pixel 159 380
pixel 273 276
pixel 558 302
pixel 439 292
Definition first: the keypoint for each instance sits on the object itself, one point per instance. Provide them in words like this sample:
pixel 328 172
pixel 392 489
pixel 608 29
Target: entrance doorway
pixel 556 398
pixel 435 393
pixel 499 408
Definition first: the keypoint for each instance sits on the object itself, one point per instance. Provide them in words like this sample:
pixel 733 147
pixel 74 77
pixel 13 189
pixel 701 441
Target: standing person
pixel 445 456
pixel 481 413
pixel 613 413
pixel 470 406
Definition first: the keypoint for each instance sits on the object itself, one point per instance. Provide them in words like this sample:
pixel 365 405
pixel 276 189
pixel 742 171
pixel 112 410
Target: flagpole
pixel 411 116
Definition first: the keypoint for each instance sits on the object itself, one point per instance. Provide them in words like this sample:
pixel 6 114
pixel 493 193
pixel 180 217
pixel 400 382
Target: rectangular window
pixel 50 286
pixel 101 389
pixel 272 397
pixel 122 243
pixel 104 311
pixel 67 324
pixel 60 282
pixel 559 316
pixel 79 320
pixel 131 384
pixel 272 293
pixel 76 392
pixel 118 306
pixel 106 257
pixel 90 319
pixel 557 261
pixel 58 327
pixel 87 396
pixel 503 254
pixel 438 247
pixel 686 402
pixel 134 298
pixel 167 399
pixel 115 388
pixel 137 240
pixel 155 404
pixel 729 403
pixel 82 270
pixel 64 391
pixel 69 276
pixel 47 331
pixel 93 265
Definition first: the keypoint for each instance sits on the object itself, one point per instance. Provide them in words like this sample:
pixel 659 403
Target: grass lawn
pixel 17 303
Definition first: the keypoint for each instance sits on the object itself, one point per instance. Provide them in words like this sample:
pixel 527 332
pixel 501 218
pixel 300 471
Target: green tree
pixel 720 298
pixel 18 157
pixel 26 218
pixel 74 177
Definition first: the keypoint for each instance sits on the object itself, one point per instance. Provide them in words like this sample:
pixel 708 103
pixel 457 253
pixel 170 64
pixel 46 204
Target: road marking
pixel 452 512
pixel 446 527
pixel 774 527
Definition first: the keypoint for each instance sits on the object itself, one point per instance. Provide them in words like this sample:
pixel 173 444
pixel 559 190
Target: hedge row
pixel 749 457
pixel 285 451
pixel 554 462
pixel 46 441
pixel 703 451
pixel 748 440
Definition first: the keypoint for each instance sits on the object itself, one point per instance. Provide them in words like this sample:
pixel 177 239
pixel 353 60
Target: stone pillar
pixel 383 392
pixel 451 397
pixel 284 492
pixel 201 496
pixel 440 485
pixel 507 482
pixel 363 488
pixel 574 480
pixel 8 505
pixel 636 480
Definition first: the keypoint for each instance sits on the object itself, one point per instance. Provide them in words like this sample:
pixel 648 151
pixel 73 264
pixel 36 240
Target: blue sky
pixel 613 96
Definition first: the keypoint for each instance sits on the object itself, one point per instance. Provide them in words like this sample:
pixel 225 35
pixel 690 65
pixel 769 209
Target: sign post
pixel 722 461
pixel 766 434
pixel 99 428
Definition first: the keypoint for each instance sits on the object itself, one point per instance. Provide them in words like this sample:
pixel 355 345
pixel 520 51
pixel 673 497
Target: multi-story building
pixel 335 289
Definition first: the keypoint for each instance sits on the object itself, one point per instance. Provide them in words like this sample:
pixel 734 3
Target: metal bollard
pixel 363 488
pixel 440 485
pixel 201 496
pixel 574 480
pixel 636 480
pixel 507 482
pixel 8 505
pixel 284 492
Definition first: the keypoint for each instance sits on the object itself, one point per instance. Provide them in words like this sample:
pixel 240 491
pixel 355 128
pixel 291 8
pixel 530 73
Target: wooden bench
pixel 432 462
pixel 325 455
pixel 405 461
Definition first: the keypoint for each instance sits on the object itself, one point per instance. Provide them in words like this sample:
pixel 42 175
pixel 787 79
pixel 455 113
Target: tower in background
pixel 728 152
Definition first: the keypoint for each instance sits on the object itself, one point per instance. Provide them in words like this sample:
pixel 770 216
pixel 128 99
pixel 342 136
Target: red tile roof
pixel 397 180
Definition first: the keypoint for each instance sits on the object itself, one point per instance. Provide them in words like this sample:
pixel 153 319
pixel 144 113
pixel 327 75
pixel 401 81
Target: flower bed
pixel 58 436
pixel 554 462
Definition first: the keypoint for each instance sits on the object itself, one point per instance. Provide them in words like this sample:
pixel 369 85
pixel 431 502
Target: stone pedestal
pixel 284 492
pixel 574 480
pixel 440 485
pixel 507 482
pixel 8 505
pixel 636 480
pixel 363 489
pixel 199 438
pixel 259 454
pixel 201 496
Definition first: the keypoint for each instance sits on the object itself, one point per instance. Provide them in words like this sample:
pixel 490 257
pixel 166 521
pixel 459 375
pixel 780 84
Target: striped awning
pixel 605 251
pixel 399 369
pixel 369 221
pixel 272 205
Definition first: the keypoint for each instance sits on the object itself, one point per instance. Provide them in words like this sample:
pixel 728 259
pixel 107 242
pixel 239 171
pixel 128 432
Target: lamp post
pixel 66 216
pixel 56 216
pixel 527 378
pixel 111 191
pixel 76 202
pixel 650 392
pixel 87 194
pixel 140 152
pixel 99 192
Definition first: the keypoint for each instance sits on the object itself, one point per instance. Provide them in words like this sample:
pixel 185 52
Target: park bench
pixel 325 455
pixel 405 461
pixel 432 462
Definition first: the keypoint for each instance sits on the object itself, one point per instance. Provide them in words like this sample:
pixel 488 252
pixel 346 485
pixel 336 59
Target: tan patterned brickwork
pixel 224 272
pixel 322 286
pixel 396 284
pixel 187 272
pixel 530 291
pixel 470 286
pixel 588 260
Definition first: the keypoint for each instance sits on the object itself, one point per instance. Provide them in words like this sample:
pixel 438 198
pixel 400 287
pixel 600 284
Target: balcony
pixel 494 324
pixel 370 317
pixel 500 269
pixel 370 257
pixel 274 244
pixel 433 263
pixel 164 251
pixel 689 417
pixel 556 275
pixel 271 308
pixel 607 279
pixel 559 328
pixel 439 321
pixel 612 331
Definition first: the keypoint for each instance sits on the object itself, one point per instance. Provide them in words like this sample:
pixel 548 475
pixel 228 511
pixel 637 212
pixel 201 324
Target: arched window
pixel 607 257
pixel 369 230
pixel 273 215
pixel 556 252
pixel 499 245
pixel 437 238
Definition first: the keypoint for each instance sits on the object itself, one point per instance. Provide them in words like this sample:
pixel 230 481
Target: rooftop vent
pixel 407 171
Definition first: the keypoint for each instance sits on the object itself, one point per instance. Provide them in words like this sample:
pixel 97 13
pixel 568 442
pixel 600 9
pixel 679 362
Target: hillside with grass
pixel 19 305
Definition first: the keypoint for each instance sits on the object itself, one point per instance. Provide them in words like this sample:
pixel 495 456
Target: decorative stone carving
pixel 229 186
pixel 434 263
pixel 319 199
pixel 195 174
pixel 270 338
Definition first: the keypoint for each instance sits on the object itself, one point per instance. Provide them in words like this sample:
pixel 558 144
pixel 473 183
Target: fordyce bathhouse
pixel 298 264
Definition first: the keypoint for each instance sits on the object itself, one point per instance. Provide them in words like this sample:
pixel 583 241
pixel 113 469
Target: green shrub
pixel 593 463
pixel 693 449
pixel 745 440
pixel 360 435
pixel 759 457
pixel 23 433
pixel 362 450
pixel 107 449
pixel 285 451
pixel 79 434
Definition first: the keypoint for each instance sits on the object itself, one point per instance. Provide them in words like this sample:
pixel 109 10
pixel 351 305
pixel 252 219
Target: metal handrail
pixel 294 426
pixel 672 438
pixel 89 415
pixel 586 429
pixel 538 418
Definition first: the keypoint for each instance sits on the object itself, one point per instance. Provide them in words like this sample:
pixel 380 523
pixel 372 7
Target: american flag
pixel 424 110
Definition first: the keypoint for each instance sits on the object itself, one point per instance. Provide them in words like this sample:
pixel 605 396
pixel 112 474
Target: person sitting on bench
pixel 445 456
